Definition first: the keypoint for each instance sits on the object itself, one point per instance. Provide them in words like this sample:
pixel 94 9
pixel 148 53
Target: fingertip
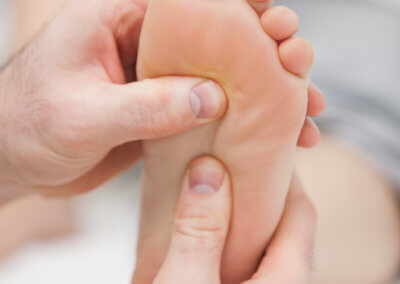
pixel 205 200
pixel 208 100
pixel 206 185
pixel 206 176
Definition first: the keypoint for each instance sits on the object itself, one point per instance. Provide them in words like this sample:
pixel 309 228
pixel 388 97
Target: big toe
pixel 280 22
pixel 297 55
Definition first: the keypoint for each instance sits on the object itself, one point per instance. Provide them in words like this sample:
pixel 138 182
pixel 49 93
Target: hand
pixel 201 225
pixel 71 115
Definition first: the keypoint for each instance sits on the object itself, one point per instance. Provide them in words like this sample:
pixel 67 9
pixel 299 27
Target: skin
pixel 57 138
pixel 75 142
pixel 33 15
pixel 310 171
pixel 52 218
pixel 264 73
pixel 78 118
pixel 200 228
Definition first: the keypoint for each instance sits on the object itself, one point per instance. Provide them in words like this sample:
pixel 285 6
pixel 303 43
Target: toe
pixel 297 55
pixel 261 5
pixel 310 135
pixel 316 101
pixel 280 22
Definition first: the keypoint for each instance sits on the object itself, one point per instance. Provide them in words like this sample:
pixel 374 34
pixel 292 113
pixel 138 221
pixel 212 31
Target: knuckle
pixel 154 114
pixel 200 226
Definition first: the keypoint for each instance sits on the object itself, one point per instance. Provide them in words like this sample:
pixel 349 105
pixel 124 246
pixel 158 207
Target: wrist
pixel 10 189
pixel 7 88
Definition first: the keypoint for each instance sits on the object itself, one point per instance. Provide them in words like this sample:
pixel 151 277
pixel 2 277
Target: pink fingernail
pixel 206 99
pixel 206 178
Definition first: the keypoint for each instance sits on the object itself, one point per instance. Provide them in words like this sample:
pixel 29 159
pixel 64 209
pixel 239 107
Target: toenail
pixel 207 99
pixel 206 178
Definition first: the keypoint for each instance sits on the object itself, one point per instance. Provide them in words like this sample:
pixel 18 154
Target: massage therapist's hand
pixel 201 225
pixel 71 113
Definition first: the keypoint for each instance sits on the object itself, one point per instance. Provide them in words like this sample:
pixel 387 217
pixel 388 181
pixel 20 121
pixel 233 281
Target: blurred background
pixel 353 176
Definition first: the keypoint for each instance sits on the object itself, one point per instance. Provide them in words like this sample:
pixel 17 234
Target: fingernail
pixel 206 99
pixel 206 177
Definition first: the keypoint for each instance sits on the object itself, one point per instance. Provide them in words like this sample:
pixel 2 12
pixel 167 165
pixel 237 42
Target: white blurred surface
pixel 103 250
pixel 356 42
pixel 6 34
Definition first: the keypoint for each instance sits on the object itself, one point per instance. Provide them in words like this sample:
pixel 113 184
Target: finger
pixel 316 101
pixel 289 256
pixel 160 107
pixel 200 225
pixel 310 135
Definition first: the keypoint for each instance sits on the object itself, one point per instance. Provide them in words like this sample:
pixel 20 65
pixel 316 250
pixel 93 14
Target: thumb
pixel 161 107
pixel 200 226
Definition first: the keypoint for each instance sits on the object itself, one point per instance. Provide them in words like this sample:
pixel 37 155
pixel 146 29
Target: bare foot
pixel 264 72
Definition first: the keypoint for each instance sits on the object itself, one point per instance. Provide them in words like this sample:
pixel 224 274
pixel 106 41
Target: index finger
pixel 290 255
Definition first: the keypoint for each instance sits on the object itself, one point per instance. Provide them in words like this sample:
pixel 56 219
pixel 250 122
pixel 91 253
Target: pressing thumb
pixel 156 108
pixel 200 226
